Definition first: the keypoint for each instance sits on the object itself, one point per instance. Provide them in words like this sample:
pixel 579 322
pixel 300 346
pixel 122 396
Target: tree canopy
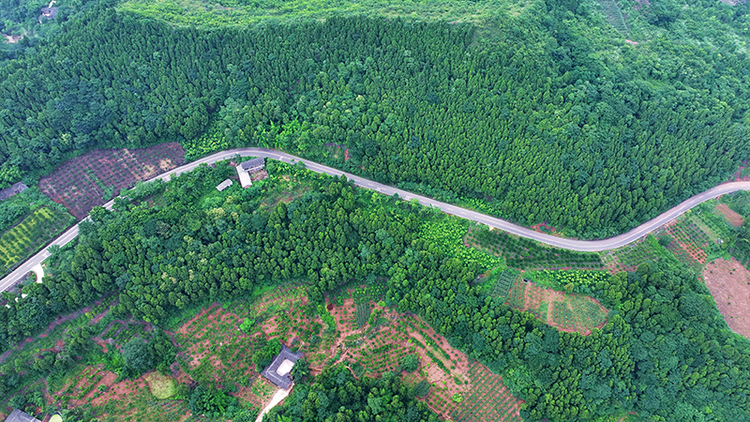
pixel 665 352
pixel 530 118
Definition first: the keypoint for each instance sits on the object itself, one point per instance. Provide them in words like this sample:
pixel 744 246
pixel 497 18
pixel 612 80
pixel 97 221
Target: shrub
pixel 137 356
pixel 409 363
pixel 421 389
pixel 210 401
pixel 247 325
pixel 300 370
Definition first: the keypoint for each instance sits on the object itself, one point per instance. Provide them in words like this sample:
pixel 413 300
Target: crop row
pixel 489 399
pixel 562 315
pixel 505 282
pixel 525 253
pixel 589 314
pixel 35 229
pixel 517 294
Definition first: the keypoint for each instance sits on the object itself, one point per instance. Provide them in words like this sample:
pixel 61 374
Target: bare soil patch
pixel 12 39
pixel 737 176
pixel 83 182
pixel 729 283
pixel 731 216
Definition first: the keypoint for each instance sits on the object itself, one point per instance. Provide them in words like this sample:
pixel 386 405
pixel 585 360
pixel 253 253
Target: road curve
pixel 576 245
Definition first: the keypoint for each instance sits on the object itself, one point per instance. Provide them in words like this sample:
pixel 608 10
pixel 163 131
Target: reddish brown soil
pixel 729 283
pixel 544 228
pixel 73 186
pixel 490 404
pixel 731 216
pixel 103 345
pixel 445 383
pixel 692 252
pixel 260 175
pixel 248 394
pixel 185 329
pixel 335 149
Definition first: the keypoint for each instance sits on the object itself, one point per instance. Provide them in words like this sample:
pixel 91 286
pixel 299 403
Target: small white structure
pixel 246 168
pixel 285 367
pixel 225 184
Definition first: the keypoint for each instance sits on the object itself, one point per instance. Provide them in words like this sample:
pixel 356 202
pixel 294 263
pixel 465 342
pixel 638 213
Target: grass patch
pixel 161 386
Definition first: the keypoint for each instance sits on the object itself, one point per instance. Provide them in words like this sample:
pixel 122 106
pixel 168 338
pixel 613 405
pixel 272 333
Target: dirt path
pixel 276 399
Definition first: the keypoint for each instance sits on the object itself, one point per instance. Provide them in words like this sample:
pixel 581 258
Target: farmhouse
pixel 18 416
pixel 49 12
pixel 279 371
pixel 247 168
pixel 16 188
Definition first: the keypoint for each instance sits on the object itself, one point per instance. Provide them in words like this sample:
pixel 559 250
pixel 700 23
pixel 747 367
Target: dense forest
pixel 530 117
pixel 23 26
pixel 665 352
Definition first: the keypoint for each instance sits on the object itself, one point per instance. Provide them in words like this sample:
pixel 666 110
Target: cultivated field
pixel 94 178
pixel 629 257
pixel 38 228
pixel 524 253
pixel 569 312
pixel 354 328
pixel 488 399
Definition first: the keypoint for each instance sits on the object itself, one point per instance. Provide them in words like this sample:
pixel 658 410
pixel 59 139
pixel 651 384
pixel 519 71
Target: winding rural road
pixel 577 245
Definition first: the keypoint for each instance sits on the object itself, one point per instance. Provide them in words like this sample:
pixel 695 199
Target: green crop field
pixel 588 314
pixel 33 232
pixel 517 294
pixel 562 315
pixel 524 253
pixel 716 224
pixel 629 256
pixel 614 15
pixel 505 280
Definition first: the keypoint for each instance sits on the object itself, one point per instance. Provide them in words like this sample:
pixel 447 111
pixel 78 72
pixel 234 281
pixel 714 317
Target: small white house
pixel 225 184
pixel 246 168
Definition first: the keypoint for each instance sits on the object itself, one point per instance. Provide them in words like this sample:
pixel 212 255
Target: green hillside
pixel 537 112
pixel 241 12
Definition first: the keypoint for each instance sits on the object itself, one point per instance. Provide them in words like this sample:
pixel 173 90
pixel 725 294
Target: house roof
pixel 281 381
pixel 252 164
pixel 18 416
pixel 223 185
pixel 14 189
pixel 49 12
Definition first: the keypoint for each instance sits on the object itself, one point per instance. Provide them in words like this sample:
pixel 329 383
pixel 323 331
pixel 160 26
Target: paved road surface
pixel 577 245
